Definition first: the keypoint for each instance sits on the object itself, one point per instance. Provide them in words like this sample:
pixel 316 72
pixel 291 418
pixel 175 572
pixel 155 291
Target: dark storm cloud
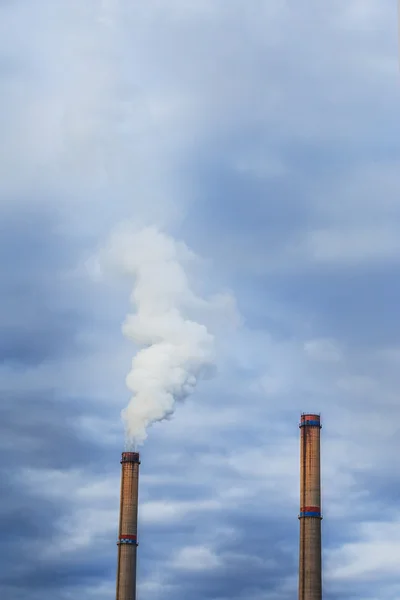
pixel 42 429
pixel 255 560
pixel 39 432
pixel 258 560
pixel 381 492
pixel 51 333
pixel 357 304
pixel 36 437
pixel 39 428
pixel 240 203
pixel 255 550
pixel 250 221
pixel 33 254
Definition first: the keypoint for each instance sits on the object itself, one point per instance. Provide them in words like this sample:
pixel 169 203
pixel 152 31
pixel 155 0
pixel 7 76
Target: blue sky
pixel 264 134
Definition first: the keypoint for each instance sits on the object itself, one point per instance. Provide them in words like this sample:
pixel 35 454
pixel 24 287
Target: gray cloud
pixel 265 135
pixel 40 432
pixel 38 436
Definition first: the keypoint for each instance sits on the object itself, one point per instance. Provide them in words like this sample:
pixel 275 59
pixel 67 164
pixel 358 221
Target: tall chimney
pixel 310 576
pixel 127 538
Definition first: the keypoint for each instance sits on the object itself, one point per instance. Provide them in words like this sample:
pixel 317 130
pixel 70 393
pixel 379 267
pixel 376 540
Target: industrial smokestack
pixel 127 537
pixel 310 575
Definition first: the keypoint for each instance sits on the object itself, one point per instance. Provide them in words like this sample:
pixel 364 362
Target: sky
pixel 264 134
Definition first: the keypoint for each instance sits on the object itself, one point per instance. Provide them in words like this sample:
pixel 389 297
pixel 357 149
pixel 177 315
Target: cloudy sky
pixel 265 135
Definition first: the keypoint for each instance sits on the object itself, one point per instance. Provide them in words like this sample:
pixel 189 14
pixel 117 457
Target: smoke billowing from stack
pixel 127 535
pixel 310 572
pixel 174 349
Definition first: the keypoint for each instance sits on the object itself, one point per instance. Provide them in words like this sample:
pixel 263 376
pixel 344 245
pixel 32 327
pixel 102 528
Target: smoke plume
pixel 175 350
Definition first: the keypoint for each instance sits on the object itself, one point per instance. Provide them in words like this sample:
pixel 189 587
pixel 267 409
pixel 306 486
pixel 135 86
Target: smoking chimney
pixel 310 576
pixel 127 539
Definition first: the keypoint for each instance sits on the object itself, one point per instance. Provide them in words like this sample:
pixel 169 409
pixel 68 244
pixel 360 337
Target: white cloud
pixel 324 350
pixel 353 245
pixel 196 558
pixel 89 503
pixel 372 557
pixel 159 512
pixel 361 14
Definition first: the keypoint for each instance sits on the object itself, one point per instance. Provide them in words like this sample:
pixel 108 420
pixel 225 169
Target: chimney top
pixel 130 457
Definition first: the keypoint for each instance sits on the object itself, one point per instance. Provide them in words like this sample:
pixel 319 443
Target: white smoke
pixel 176 350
